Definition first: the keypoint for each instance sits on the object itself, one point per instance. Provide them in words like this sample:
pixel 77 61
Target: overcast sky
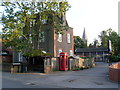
pixel 94 15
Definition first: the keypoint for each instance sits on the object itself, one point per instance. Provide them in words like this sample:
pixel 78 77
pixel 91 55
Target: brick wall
pixel 80 63
pixel 52 45
pixel 64 45
pixel 114 72
pixel 55 64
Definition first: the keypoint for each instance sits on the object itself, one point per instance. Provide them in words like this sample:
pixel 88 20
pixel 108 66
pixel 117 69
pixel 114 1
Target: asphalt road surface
pixel 97 77
pixel 8 83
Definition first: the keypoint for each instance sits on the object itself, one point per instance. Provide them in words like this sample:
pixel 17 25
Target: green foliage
pixel 74 68
pixel 23 23
pixel 115 39
pixel 36 52
pixel 85 57
pixel 78 43
pixel 94 44
pixel 113 58
pixel 104 39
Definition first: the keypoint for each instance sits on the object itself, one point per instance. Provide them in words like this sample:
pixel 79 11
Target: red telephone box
pixel 63 61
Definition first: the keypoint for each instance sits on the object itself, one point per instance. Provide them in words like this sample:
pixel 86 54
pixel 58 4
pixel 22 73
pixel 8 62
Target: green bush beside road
pixel 114 58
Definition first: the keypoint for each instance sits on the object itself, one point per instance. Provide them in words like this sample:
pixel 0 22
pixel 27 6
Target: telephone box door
pixel 63 61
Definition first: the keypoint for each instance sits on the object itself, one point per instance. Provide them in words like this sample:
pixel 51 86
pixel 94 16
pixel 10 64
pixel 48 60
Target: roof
pixel 84 37
pixel 99 49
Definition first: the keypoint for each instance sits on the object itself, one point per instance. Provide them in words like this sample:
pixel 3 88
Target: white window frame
pixel 68 38
pixel 59 37
pixel 59 51
pixel 20 57
pixel 71 52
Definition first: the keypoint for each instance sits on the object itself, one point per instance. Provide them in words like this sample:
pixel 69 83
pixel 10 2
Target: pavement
pixel 97 77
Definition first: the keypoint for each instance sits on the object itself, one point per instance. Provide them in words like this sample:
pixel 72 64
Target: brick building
pixel 56 43
pixel 53 43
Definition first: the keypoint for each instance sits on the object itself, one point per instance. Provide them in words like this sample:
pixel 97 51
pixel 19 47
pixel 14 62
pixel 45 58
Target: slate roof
pixel 99 49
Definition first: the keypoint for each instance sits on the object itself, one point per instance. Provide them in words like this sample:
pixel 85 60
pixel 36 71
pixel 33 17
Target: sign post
pixel 109 52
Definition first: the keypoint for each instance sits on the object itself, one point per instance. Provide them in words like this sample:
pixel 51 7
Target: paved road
pixel 96 77
pixel 8 83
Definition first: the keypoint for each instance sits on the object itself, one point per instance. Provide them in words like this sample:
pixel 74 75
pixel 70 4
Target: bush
pixel 36 52
pixel 85 57
pixel 113 58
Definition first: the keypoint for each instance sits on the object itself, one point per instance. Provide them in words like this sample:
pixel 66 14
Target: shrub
pixel 113 58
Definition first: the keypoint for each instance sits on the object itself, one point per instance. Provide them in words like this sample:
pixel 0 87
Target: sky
pixel 94 15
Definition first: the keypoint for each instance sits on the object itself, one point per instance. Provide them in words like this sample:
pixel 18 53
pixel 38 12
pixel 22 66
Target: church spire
pixel 84 37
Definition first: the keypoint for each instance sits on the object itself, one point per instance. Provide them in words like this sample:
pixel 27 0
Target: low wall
pixel 55 63
pixel 6 59
pixel 80 63
pixel 6 67
pixel 47 69
pixel 114 72
pixel 5 63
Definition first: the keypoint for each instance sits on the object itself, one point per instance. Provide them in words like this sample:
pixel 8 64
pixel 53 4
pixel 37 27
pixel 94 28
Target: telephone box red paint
pixel 63 61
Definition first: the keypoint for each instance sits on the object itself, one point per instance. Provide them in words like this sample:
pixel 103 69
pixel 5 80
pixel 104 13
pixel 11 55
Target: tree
pixel 104 38
pixel 94 44
pixel 115 39
pixel 78 43
pixel 23 23
pixel 90 45
pixel 109 34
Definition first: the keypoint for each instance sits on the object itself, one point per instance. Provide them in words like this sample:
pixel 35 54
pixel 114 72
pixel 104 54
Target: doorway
pixel 36 64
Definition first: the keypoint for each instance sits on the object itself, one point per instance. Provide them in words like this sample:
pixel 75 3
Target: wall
pixel 6 67
pixel 66 47
pixel 47 65
pixel 55 63
pixel 6 63
pixel 78 63
pixel 114 72
pixel 51 64
pixel 48 44
pixel 51 44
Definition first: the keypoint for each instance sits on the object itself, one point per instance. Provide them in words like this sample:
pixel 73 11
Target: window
pixel 42 37
pixel 59 37
pixel 71 53
pixel 60 50
pixel 68 38
pixel 4 53
pixel 20 56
